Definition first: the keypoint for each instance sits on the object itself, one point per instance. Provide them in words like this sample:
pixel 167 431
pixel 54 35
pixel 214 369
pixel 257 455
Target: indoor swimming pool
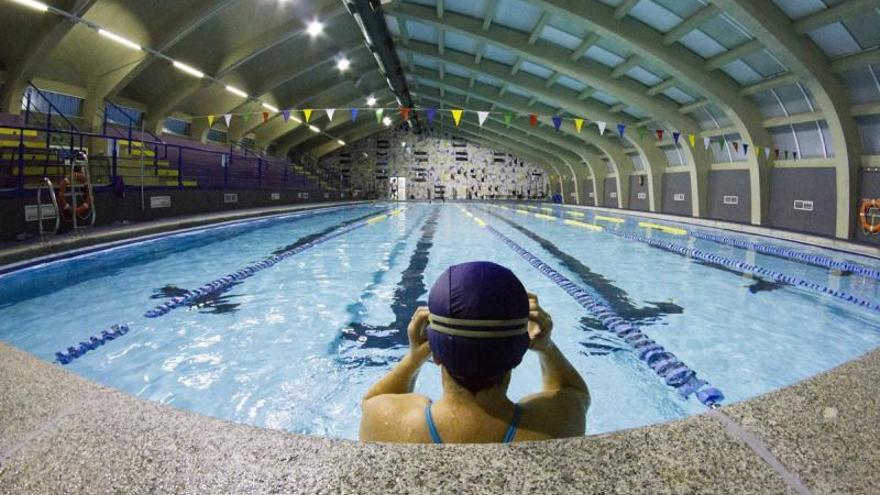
pixel 284 322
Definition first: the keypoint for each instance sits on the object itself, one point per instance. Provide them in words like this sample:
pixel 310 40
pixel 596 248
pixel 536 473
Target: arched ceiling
pixel 696 66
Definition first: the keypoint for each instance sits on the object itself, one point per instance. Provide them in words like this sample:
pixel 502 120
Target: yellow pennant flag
pixel 211 121
pixel 308 114
pixel 758 151
pixel 693 140
pixel 456 116
pixel 578 124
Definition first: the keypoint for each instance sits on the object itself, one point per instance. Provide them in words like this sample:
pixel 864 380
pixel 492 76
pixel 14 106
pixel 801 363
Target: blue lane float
pixel 95 341
pixel 225 283
pixel 791 254
pixel 674 372
pixel 746 267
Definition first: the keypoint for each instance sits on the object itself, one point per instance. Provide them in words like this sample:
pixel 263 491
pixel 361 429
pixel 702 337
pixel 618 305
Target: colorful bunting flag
pixel 379 114
pixel 307 113
pixel 286 115
pixel 767 153
pixel 794 154
pixel 431 113
pixel 641 131
pixel 247 118
pixel 776 154
pixel 693 140
pixel 602 126
pixel 758 151
pixel 508 118
pixel 482 116
pixel 675 136
pixel 456 116
pixel 228 119
pixel 557 122
pixel 533 119
pixel 404 112
pixel 621 128
pixel 659 134
pixel 265 117
pixel 706 142
pixel 786 154
pixel 578 125
pixel 721 144
pixel 735 146
pixel 210 121
pixel 745 149
pixel 330 113
pixel 354 113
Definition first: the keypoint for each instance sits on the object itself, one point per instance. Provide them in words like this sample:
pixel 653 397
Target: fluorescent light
pixel 119 39
pixel 371 101
pixel 315 28
pixel 343 64
pixel 314 129
pixel 42 7
pixel 387 121
pixel 236 91
pixel 189 70
pixel 341 142
pixel 270 108
pixel 295 119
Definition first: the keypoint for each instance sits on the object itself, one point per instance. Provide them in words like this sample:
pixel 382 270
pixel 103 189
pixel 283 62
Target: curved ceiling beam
pixel 355 131
pixel 555 58
pixel 776 31
pixel 48 31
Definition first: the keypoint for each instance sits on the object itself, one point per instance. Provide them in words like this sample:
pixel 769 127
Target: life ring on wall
pixel 869 226
pixel 83 208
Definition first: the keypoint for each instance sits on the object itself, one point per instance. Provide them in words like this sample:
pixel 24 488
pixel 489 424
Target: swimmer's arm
pixel 562 404
pixel 558 373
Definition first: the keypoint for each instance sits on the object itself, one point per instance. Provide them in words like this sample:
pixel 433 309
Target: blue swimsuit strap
pixel 508 436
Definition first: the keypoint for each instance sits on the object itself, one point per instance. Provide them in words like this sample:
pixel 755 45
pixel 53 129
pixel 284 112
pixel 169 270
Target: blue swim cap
pixel 478 320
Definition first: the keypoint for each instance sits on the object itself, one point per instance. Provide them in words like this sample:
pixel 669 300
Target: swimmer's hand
pixel 540 325
pixel 418 336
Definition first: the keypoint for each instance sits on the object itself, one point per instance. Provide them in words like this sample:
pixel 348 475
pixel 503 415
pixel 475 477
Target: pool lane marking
pixel 663 228
pixel 665 364
pixel 746 267
pixel 575 214
pixel 588 226
pixel 608 219
pixel 544 217
pixel 225 283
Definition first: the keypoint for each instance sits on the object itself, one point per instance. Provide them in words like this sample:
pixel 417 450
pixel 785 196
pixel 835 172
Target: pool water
pixel 295 345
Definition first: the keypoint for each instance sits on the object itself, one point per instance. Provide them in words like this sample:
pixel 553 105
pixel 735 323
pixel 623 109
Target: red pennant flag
pixel 404 112
pixel 533 119
pixel 265 117
pixel 736 146
pixel 776 153
pixel 659 134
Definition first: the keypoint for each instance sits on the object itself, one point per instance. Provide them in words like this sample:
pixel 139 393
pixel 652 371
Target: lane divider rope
pixel 224 283
pixel 665 364
pixel 95 341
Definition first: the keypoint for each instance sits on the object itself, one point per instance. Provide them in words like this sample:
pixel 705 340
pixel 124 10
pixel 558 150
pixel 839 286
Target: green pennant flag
pixel 379 113
pixel 721 144
pixel 247 118
pixel 641 131
pixel 508 118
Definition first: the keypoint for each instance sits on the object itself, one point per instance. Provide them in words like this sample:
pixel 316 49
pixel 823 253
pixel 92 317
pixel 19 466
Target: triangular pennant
pixel 228 119
pixel 508 118
pixel 794 155
pixel 431 114
pixel 721 144
pixel 693 140
pixel 776 154
pixel 758 151
pixel 354 113
pixel 659 134
pixel 286 115
pixel 602 126
pixel 745 149
pixel 621 128
pixel 533 119
pixel 330 113
pixel 265 117
pixel 675 136
pixel 706 142
pixel 247 118
pixel 766 153
pixel 735 146
pixel 404 112
pixel 307 113
pixel 456 116
pixel 578 125
pixel 786 154
pixel 211 121
pixel 482 116
pixel 557 122
pixel 379 114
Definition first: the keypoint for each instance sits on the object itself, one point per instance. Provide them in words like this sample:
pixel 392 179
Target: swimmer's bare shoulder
pixel 394 418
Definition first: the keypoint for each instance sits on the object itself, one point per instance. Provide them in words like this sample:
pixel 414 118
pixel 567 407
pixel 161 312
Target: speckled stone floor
pixel 60 433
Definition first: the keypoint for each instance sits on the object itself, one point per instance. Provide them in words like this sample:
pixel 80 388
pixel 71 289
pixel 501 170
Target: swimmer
pixel 479 323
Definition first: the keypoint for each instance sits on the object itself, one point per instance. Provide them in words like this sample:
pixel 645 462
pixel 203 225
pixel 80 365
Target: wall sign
pixel 803 205
pixel 590 195
pixel 613 195
pixel 678 197
pixel 731 200
pixel 643 195
pixel 276 196
pixel 230 198
pixel 160 201
pixel 31 213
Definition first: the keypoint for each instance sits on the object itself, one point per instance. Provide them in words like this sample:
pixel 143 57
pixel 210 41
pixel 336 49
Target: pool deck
pixel 60 432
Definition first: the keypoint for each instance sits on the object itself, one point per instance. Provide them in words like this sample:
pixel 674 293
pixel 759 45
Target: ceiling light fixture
pixel 343 64
pixel 315 28
pixel 236 91
pixel 270 108
pixel 119 39
pixel 371 101
pixel 387 121
pixel 42 7
pixel 189 70
pixel 341 142
pixel 314 129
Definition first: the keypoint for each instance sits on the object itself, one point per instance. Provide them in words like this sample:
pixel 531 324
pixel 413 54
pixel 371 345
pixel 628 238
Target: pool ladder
pixel 47 184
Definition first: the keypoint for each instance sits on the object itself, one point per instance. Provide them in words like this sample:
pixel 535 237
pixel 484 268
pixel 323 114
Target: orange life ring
pixel 867 205
pixel 81 209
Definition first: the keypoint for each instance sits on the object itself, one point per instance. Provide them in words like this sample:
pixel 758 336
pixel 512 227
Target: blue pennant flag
pixel 557 122
pixel 675 136
pixel 431 113
pixel 621 128
pixel 354 113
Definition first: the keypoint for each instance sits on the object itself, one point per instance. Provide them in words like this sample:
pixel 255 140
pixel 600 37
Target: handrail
pixel 131 121
pixel 47 183
pixel 52 106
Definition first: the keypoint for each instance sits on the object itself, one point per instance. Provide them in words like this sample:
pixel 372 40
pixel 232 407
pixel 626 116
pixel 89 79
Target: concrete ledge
pixel 13 254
